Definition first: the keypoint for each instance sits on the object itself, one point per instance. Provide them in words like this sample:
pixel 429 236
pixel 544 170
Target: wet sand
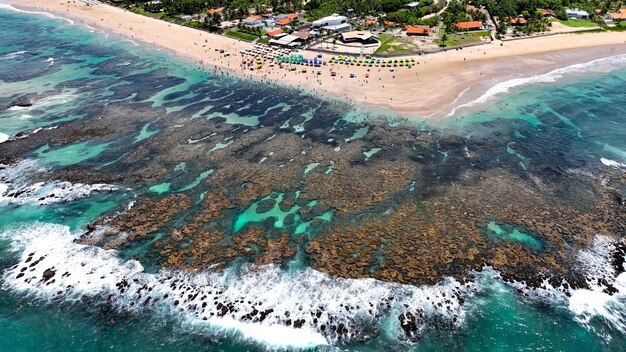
pixel 431 88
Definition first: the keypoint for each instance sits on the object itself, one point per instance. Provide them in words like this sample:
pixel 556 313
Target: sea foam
pixel 13 55
pixel 602 65
pixel 613 163
pixel 47 14
pixel 606 296
pixel 16 186
pixel 3 137
pixel 263 304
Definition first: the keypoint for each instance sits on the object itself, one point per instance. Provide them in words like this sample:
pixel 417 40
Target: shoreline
pixel 438 84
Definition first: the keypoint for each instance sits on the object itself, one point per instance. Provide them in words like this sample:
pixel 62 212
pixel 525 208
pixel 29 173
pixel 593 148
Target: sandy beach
pixel 431 88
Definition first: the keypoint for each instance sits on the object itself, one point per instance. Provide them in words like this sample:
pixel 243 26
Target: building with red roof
pixel 469 26
pixel 217 10
pixel 518 21
pixel 285 21
pixel 275 32
pixel 417 30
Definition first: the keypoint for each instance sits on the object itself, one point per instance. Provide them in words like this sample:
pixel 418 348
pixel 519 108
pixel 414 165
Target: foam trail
pixel 596 66
pixel 3 137
pixel 50 101
pixel 262 304
pixel 47 14
pixel 16 188
pixel 609 162
pixel 13 55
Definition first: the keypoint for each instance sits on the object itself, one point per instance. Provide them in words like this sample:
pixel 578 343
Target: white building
pixel 577 14
pixel 333 23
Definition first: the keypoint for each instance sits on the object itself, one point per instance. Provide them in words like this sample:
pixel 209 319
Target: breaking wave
pixel 3 137
pixel 13 54
pixel 262 304
pixel 603 65
pixel 47 14
pixel 606 296
pixel 613 163
pixel 16 187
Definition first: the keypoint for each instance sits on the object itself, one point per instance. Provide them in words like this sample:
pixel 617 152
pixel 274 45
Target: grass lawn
pixel 577 23
pixel 143 12
pixel 617 28
pixel 395 45
pixel 464 38
pixel 243 36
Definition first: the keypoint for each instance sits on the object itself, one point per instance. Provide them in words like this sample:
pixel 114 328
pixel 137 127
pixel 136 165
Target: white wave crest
pixel 43 13
pixel 13 54
pixel 3 137
pixel 302 309
pixel 51 101
pixel 16 188
pixel 603 65
pixel 613 163
pixel 606 296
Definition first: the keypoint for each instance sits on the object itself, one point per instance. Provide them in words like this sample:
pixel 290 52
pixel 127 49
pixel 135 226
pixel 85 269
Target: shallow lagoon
pixel 529 132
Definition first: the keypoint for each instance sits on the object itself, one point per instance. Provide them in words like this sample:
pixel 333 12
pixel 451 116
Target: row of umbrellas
pixel 370 62
pixel 301 60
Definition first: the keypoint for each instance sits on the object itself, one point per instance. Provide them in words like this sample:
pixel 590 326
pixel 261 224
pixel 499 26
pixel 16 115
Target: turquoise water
pixel 70 155
pixel 509 233
pixel 535 129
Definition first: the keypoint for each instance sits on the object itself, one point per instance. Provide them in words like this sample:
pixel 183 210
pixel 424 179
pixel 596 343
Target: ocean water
pixel 110 124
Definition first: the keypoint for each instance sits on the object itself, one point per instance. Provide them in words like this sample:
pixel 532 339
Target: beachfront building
pixel 293 40
pixel 253 21
pixel 277 33
pixel 616 16
pixel 469 26
pixel 285 20
pixel 219 10
pixel 546 13
pixel 577 14
pixel 333 23
pixel 417 30
pixel 358 37
pixel 518 21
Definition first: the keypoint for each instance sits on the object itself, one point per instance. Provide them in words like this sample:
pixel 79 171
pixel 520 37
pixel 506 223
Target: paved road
pixel 438 13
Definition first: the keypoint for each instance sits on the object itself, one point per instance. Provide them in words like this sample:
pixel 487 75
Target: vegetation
pixel 458 12
pixel 460 39
pixel 396 45
pixel 243 36
pixel 577 23
pixel 520 16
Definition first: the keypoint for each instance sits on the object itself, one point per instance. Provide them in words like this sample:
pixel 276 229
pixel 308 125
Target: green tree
pixel 443 40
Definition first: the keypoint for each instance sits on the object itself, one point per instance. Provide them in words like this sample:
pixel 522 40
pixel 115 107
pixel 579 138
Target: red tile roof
pixel 418 30
pixel 275 32
pixel 518 20
pixel 389 23
pixel 218 10
pixel 285 21
pixel 469 25
pixel 621 14
pixel 546 12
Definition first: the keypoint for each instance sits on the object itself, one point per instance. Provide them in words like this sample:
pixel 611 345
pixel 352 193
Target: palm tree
pixel 443 39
